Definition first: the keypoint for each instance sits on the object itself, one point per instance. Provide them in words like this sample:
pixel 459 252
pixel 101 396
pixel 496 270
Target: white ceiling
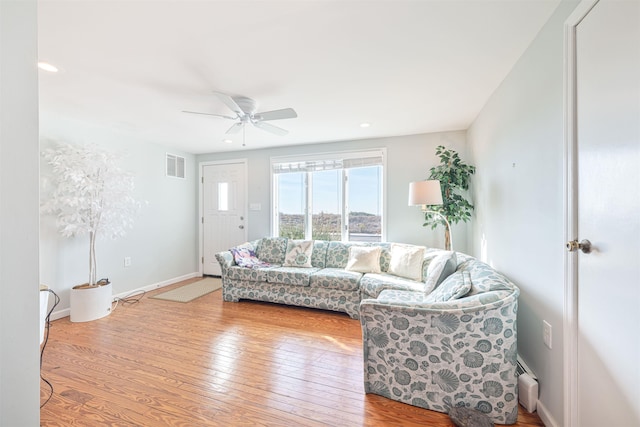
pixel 407 67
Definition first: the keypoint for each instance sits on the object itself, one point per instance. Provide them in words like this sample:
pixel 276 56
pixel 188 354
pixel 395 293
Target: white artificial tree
pixel 89 194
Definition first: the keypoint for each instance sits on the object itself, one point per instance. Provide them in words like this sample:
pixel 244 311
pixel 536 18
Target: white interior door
pixel 223 211
pixel 608 215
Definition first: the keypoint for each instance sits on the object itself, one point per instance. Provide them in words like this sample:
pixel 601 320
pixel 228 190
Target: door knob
pixel 241 227
pixel 584 246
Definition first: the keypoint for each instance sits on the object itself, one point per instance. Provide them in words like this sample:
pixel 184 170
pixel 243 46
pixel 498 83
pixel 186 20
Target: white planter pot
pixel 44 308
pixel 90 303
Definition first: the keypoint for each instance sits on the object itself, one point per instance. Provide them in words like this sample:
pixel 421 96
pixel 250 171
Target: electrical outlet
pixel 127 261
pixel 546 333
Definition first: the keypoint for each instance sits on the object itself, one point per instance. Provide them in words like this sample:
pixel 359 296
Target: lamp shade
pixel 425 193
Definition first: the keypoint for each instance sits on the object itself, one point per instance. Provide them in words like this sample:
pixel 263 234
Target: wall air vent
pixel 175 166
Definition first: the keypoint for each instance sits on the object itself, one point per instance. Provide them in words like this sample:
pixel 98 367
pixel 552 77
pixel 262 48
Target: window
pixel 337 196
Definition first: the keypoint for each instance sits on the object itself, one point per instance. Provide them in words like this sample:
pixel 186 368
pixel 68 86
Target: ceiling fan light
pixel 227 141
pixel 365 125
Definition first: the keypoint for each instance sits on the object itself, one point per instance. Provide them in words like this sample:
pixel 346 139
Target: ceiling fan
pixel 245 111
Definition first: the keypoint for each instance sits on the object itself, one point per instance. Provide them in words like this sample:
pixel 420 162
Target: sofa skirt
pixel 347 301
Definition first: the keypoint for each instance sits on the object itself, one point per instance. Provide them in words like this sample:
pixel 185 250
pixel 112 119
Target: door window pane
pixel 291 205
pixel 223 196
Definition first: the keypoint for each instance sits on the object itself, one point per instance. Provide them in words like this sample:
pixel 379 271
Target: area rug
pixel 191 291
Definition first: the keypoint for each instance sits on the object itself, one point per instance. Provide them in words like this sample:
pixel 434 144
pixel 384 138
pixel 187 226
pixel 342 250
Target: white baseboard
pixel 545 416
pixel 66 312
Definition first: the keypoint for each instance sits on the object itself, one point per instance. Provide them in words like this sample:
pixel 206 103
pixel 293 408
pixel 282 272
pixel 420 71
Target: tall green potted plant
pixel 454 176
pixel 89 194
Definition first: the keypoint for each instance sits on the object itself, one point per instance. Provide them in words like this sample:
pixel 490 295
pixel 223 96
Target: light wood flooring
pixel 210 363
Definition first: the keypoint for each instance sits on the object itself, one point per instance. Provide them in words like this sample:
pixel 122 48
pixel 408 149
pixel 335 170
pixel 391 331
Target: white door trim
pixel 570 316
pixel 201 166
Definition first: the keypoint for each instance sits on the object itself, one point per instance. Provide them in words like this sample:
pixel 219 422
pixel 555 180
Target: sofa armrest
pixel 226 260
pixel 437 356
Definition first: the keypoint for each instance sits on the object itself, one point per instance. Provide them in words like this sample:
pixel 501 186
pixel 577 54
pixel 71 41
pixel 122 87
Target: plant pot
pixel 90 302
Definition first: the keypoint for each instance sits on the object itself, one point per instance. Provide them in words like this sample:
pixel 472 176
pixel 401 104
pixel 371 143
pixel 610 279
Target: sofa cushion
pixel 372 284
pixel 335 278
pixel 439 269
pixel 298 253
pixel 247 274
pixel 337 254
pixel 453 287
pixel 364 259
pixel 272 249
pixel 290 275
pixel 406 261
pixel 319 254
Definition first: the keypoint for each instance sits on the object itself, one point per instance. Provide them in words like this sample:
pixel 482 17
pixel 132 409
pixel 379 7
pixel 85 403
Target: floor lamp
pixel 429 193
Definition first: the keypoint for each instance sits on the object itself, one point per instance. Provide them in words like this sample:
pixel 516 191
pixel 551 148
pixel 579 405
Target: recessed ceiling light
pixel 47 67
pixel 365 125
pixel 228 141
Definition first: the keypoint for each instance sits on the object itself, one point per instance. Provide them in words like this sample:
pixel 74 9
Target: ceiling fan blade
pixel 271 128
pixel 285 113
pixel 229 102
pixel 234 129
pixel 209 114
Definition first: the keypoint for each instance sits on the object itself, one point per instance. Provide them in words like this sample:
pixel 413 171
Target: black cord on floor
pixel 56 301
pixel 132 298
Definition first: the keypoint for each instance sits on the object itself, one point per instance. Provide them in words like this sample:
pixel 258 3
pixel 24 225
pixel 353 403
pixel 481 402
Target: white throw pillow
pixel 406 261
pixel 364 259
pixel 298 253
pixel 439 269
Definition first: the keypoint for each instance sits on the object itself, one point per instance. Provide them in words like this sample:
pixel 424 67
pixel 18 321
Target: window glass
pixel 291 205
pixel 326 198
pixel 223 196
pixel 365 204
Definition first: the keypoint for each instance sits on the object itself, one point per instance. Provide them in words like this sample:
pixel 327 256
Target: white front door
pixel 608 215
pixel 224 211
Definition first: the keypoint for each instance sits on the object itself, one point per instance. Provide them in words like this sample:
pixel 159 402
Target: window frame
pixel 308 187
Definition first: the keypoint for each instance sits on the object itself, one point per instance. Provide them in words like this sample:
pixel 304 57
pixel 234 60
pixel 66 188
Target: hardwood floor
pixel 208 363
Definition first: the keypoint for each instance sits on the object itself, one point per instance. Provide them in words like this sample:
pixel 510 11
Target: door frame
pixel 570 315
pixel 201 167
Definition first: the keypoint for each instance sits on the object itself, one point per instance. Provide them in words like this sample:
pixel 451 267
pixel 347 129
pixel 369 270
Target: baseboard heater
pixel 527 386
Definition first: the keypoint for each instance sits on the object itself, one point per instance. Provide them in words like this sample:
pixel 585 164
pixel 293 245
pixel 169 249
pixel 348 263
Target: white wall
pixel 163 242
pixel 516 143
pixel 19 284
pixel 409 158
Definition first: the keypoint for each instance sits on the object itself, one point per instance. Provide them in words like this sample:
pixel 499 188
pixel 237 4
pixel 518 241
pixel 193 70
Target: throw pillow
pixel 298 253
pixel 453 287
pixel 364 259
pixel 439 269
pixel 245 257
pixel 406 261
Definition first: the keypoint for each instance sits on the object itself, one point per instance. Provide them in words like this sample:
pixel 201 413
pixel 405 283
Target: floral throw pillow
pixel 246 257
pixel 298 253
pixel 442 266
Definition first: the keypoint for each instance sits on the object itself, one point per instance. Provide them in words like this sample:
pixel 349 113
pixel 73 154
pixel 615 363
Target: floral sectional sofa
pixel 439 327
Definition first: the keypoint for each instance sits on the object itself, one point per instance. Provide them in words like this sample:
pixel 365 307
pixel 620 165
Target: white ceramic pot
pixel 90 302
